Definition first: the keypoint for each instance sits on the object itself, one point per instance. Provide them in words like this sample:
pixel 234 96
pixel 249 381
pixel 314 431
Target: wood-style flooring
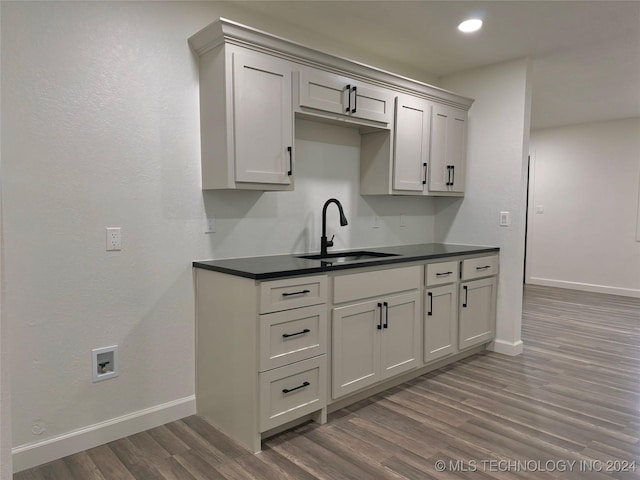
pixel 568 407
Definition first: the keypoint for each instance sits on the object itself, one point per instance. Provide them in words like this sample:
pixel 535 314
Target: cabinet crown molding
pixel 224 31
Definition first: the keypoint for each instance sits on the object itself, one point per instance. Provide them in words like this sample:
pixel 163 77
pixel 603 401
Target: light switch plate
pixel 504 219
pixel 210 226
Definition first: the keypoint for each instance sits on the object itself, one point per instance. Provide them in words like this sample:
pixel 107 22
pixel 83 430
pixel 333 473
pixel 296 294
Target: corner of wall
pixel 6 465
pixel 497 148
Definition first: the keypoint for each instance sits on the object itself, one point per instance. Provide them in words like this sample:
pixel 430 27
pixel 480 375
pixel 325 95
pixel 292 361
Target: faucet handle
pixel 330 242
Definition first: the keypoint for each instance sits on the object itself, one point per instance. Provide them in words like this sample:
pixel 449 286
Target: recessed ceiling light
pixel 471 25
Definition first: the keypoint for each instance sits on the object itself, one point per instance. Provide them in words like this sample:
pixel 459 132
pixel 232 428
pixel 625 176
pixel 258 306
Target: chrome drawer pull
pixel 289 390
pixel 443 274
pixel 287 335
pixel 301 292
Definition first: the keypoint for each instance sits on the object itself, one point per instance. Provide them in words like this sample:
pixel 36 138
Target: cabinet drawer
pixel 292 335
pixel 289 392
pixel 479 267
pixel 292 293
pixel 441 273
pixel 348 288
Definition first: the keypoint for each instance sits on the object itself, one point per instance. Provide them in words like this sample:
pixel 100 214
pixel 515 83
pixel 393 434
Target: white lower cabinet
pixel 292 391
pixel 266 354
pixel 260 352
pixel 440 322
pixel 477 312
pixel 374 340
pixel 459 305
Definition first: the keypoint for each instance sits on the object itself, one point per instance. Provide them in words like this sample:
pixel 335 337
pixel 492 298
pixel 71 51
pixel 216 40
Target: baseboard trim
pixel 34 454
pixel 586 287
pixel 506 348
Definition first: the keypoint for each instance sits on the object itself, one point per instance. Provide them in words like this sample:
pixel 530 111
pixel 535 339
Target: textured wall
pixel 6 466
pixel 100 128
pixel 586 178
pixel 496 179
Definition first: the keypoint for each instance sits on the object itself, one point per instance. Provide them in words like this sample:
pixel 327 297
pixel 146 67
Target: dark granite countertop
pixel 277 266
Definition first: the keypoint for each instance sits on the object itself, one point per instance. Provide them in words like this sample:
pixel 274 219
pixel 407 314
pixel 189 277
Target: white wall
pixel 5 391
pixel 586 178
pixel 496 181
pixel 6 464
pixel 100 127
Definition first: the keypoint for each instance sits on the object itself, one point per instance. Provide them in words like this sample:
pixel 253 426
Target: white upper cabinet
pixel 411 144
pixel 424 154
pixel 327 92
pixel 448 149
pixel 263 122
pixel 252 84
pixel 246 120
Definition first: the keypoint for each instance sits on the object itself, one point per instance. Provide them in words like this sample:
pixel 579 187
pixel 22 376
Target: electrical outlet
pixel 403 220
pixel 376 222
pixel 114 239
pixel 105 363
pixel 504 219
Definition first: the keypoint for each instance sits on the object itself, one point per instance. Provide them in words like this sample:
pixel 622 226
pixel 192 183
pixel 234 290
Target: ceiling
pixel 585 54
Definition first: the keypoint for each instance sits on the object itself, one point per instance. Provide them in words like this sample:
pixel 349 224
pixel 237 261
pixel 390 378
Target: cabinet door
pixel 324 91
pixel 400 339
pixel 457 145
pixel 411 144
pixel 448 149
pixel 263 119
pixel 336 94
pixel 440 322
pixel 477 312
pixel 371 103
pixel 355 347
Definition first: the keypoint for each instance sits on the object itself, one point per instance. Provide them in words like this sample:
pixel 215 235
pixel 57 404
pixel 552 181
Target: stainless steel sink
pixel 345 257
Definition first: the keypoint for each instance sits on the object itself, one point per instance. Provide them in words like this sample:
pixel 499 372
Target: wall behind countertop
pixel 327 165
pixel 100 128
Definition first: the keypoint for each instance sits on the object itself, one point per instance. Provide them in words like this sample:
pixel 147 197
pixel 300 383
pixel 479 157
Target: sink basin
pixel 344 257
